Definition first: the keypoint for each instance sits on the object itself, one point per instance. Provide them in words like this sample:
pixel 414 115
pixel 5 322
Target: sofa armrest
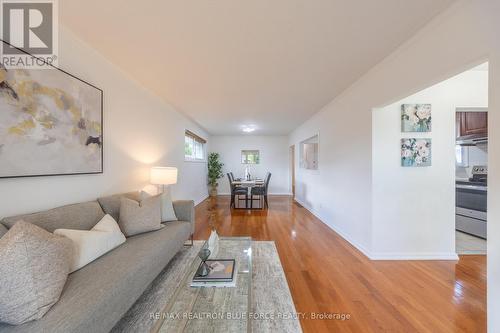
pixel 184 210
pixel 3 230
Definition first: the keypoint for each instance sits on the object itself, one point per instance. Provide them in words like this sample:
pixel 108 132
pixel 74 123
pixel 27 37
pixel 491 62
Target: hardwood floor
pixel 326 274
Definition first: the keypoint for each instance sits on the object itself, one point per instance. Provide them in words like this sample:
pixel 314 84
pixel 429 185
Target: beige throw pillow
pixel 34 266
pixel 91 244
pixel 167 207
pixel 138 217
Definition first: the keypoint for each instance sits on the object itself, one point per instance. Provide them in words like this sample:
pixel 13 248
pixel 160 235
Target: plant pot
pixel 213 191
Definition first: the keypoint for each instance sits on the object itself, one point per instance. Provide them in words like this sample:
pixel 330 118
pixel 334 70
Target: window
pixel 462 156
pixel 250 157
pixel 309 151
pixel 194 147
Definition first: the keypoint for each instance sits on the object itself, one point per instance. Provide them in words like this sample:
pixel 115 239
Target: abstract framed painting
pixel 416 152
pixel 51 123
pixel 416 117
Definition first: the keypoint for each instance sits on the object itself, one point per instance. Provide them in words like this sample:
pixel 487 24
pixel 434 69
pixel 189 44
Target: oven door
pixel 471 197
pixel 471 202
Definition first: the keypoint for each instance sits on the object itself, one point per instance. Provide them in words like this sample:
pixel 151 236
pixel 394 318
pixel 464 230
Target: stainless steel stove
pixel 471 202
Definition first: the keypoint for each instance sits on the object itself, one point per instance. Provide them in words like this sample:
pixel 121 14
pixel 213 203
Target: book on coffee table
pixel 222 273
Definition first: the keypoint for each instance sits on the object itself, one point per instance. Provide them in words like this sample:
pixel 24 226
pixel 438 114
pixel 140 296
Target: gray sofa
pixel 97 296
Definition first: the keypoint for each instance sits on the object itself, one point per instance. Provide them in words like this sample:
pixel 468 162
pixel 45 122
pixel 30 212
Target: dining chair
pixel 236 190
pixel 232 179
pixel 261 191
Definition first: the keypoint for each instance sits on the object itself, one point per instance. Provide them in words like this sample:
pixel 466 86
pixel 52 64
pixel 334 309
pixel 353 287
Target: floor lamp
pixel 161 176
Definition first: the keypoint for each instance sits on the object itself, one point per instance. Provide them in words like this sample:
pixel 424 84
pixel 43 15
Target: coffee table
pixel 210 309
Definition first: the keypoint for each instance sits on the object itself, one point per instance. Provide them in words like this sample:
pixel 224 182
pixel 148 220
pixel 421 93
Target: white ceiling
pixel 229 63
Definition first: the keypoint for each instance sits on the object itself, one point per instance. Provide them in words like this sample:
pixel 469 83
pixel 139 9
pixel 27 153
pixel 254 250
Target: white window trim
pixel 465 157
pixel 203 142
pixel 250 150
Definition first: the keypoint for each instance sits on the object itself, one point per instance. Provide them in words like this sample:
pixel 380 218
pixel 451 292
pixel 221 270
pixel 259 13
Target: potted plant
pixel 214 172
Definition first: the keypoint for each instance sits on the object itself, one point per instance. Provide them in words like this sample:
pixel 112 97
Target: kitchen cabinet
pixel 472 124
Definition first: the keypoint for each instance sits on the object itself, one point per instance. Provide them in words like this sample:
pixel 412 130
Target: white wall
pixel 414 208
pixel 463 36
pixel 140 130
pixel 274 158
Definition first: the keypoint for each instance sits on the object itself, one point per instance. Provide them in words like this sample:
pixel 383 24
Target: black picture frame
pixel 198 278
pixel 101 92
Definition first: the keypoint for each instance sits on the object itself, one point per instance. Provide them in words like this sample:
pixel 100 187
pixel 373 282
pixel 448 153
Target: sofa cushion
pixel 34 266
pixel 99 294
pixel 111 204
pixel 3 230
pixel 90 244
pixel 138 217
pixel 81 216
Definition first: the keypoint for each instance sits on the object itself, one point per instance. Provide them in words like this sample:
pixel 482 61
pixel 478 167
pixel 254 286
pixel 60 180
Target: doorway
pixel 416 182
pixel 471 180
pixel 292 170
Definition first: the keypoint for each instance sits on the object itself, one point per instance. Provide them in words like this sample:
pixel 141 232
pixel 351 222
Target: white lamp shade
pixel 163 175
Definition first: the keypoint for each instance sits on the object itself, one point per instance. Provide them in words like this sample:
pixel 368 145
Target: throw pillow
pixel 167 207
pixel 91 244
pixel 34 266
pixel 137 217
pixel 111 204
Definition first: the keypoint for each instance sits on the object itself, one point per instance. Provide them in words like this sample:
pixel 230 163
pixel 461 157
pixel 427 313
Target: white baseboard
pixel 199 201
pixel 342 234
pixel 414 256
pixel 270 194
pixel 383 255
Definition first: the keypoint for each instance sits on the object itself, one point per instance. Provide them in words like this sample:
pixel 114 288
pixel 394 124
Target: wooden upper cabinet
pixel 473 124
pixel 458 124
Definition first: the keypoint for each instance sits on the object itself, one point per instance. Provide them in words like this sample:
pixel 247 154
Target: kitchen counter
pixel 480 185
pixel 461 179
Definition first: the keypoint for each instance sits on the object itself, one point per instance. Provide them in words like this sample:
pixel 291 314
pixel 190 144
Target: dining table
pixel 249 184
